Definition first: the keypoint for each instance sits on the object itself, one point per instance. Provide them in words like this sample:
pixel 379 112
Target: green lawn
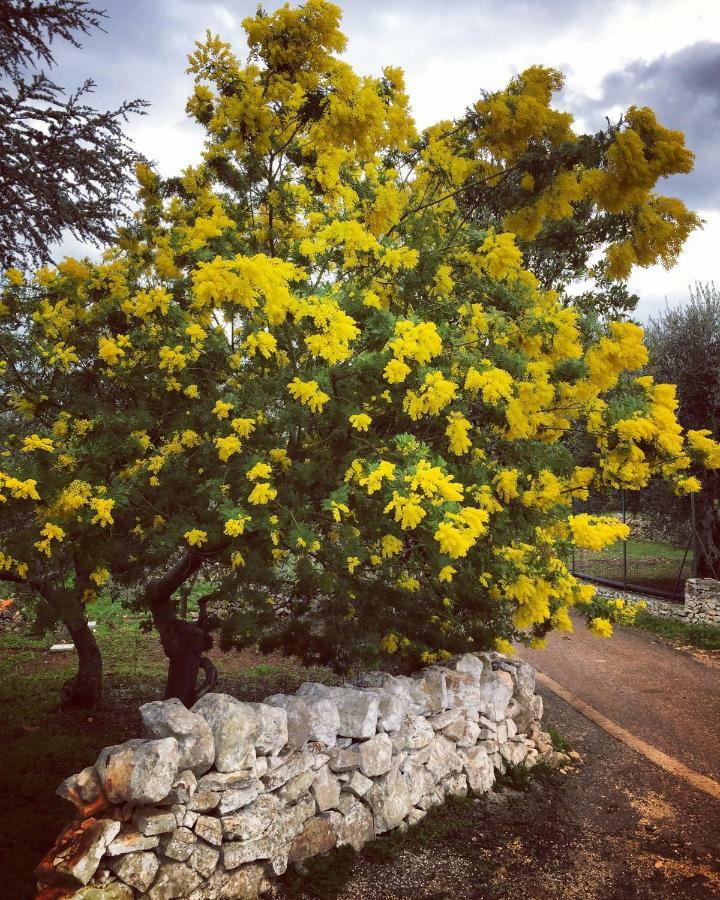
pixel 649 563
pixel 40 745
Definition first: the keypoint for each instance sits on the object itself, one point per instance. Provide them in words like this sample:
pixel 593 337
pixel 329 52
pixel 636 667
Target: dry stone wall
pixel 220 798
pixel 701 606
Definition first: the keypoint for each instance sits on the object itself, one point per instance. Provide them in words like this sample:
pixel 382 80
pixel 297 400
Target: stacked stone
pixel 222 797
pixel 702 601
pixel 701 604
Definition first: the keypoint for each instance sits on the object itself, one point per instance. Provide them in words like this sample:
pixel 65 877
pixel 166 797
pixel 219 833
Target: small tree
pixel 308 364
pixel 684 344
pixel 64 166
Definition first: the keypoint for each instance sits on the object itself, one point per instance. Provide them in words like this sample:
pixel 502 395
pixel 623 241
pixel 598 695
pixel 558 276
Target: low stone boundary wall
pixel 702 602
pixel 220 798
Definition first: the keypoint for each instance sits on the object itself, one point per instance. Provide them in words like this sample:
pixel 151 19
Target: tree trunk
pixel 708 533
pixel 184 644
pixel 84 690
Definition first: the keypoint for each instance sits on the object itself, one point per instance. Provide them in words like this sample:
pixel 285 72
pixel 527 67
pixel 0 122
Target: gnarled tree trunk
pixel 184 642
pixel 84 690
pixel 707 523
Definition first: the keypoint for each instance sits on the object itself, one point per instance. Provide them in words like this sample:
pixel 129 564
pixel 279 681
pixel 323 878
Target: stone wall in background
pixel 218 799
pixel 701 606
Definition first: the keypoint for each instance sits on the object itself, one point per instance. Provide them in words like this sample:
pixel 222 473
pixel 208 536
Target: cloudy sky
pixel 614 53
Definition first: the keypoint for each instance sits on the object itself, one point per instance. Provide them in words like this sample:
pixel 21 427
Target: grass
pixel 650 563
pixel 558 740
pixel 705 637
pixel 41 745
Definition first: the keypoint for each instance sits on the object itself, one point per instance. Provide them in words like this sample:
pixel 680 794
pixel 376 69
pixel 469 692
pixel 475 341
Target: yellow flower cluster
pixel 308 393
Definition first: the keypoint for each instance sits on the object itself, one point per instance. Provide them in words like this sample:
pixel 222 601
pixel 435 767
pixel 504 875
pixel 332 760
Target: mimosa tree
pixel 313 362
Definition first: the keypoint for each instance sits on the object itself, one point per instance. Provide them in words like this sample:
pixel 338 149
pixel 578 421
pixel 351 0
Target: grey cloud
pixel 684 90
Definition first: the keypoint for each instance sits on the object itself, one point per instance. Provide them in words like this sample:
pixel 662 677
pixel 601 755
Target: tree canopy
pixel 684 345
pixel 317 362
pixel 65 167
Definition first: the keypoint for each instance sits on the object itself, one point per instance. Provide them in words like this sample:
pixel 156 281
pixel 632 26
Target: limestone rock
pixel 494 695
pixel 234 725
pixel 324 720
pixel 391 711
pixel 178 845
pixel 463 689
pixel 174 879
pixel 298 718
pixel 209 829
pixel 316 837
pixel 183 789
pixel 455 731
pixel 389 800
pixel 295 788
pixel 84 791
pixel 243 884
pixel 273 844
pixel 443 759
pixel 204 859
pixel 355 827
pixel 239 795
pixel 470 664
pixel 170 718
pixel 116 890
pixel 358 710
pixel 273 731
pixel 443 719
pixel 137 870
pixel 325 789
pixel 375 755
pixel 150 820
pixel 432 683
pixel 294 765
pixel 513 753
pixel 359 784
pixel 79 859
pixel 138 771
pixel 253 820
pixel 415 734
pixel 479 770
pixel 344 760
pixel 203 801
pixel 130 840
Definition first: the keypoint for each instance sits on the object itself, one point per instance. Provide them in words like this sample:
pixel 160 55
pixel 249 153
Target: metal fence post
pixel 622 496
pixel 694 536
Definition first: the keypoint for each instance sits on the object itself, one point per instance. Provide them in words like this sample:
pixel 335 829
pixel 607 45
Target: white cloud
pixel 698 263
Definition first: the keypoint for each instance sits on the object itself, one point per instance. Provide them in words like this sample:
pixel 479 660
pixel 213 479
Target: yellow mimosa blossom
pixel 262 493
pixel 360 421
pixel 259 470
pixel 35 442
pixel 196 537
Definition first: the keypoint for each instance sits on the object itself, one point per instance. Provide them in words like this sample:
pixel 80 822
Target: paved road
pixel 665 696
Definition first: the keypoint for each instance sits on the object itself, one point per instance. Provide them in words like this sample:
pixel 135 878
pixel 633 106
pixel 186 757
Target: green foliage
pixel 559 741
pixel 44 130
pixel 696 634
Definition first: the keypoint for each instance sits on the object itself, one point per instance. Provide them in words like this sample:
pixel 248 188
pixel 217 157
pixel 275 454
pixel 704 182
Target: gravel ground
pixel 616 828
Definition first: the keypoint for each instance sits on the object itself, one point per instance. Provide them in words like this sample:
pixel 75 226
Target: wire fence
pixel 661 552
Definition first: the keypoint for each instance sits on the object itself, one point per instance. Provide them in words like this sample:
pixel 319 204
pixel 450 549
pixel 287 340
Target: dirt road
pixel 619 828
pixel 665 696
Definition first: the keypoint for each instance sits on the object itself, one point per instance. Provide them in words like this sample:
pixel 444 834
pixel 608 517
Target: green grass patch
pixel 558 740
pixel 706 637
pixel 40 745
pixel 652 563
